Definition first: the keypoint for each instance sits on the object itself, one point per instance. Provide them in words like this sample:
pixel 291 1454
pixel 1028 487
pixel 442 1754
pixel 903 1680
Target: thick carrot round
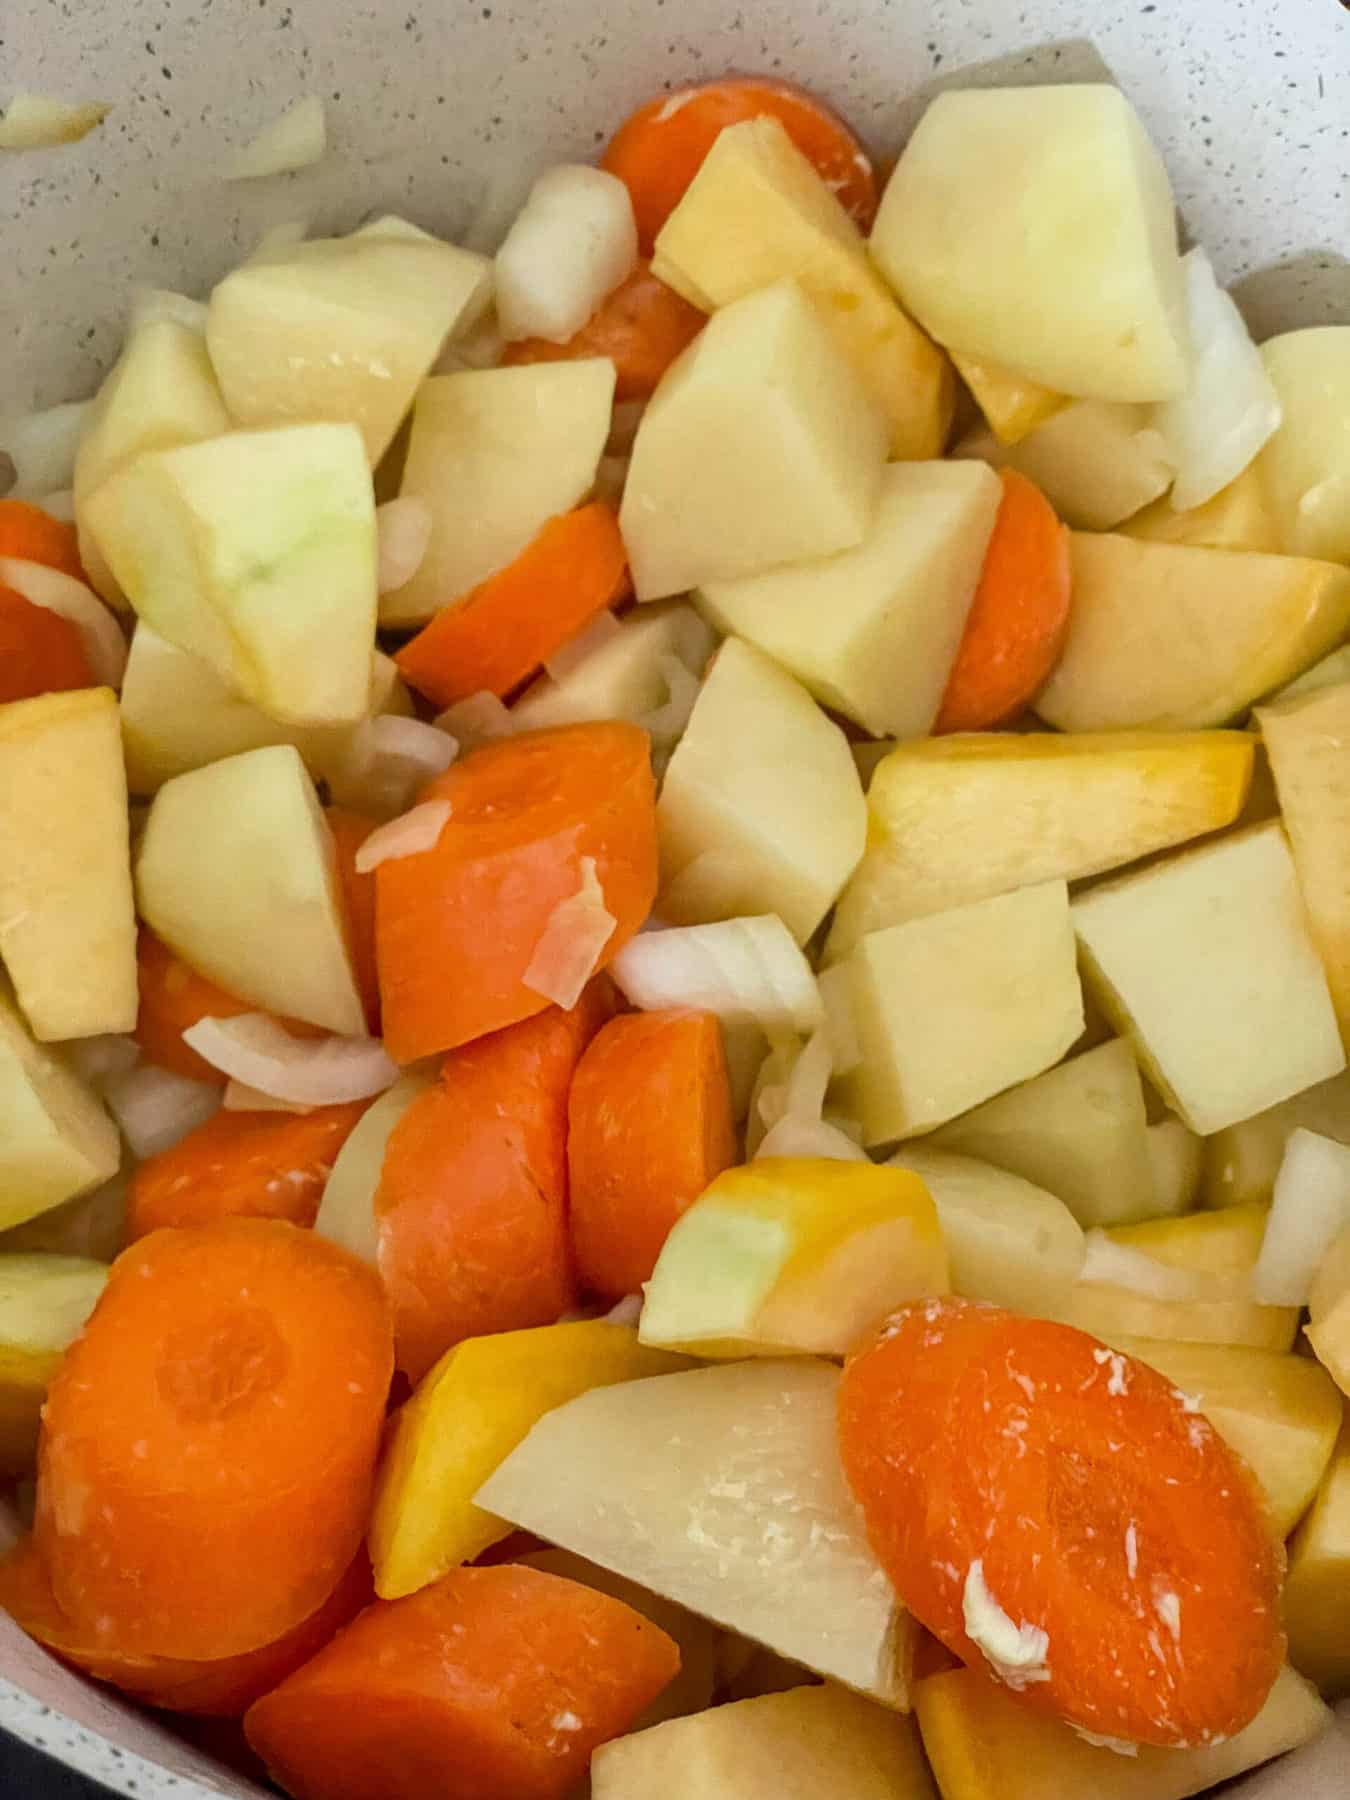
pixel 491 1684
pixel 642 327
pixel 1059 1515
pixel 40 652
pixel 350 830
pixel 32 535
pixel 457 926
pixel 1019 617
pixel 208 1443
pixel 650 1125
pixel 658 151
pixel 224 1689
pixel 241 1165
pixel 493 638
pixel 471 1210
pixel 174 997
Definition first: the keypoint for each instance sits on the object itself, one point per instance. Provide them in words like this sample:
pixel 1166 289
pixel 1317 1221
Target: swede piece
pixel 1306 465
pixel 67 926
pixel 956 819
pixel 496 453
pixel 1168 954
pixel 951 1009
pixel 571 245
pixel 56 1141
pixel 1317 1588
pixel 1095 461
pixel 237 872
pixel 1177 1158
pixel 873 631
pixel 1241 1163
pixel 1239 517
pixel 720 1489
pixel 1007 206
pixel 761 446
pixel 1008 1241
pixel 624 677
pixel 1168 637
pixel 1079 1130
pixel 757 212
pixel 762 810
pixel 340 330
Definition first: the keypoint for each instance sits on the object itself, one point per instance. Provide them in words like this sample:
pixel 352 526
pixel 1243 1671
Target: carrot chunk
pixel 29 534
pixel 40 652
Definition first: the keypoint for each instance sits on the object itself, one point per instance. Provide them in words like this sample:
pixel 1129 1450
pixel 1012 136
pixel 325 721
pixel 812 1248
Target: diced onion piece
pixel 480 719
pixel 158 306
pixel 389 758
pixel 1310 1209
pixel 809 1081
pixel 1215 428
pixel 294 141
pixel 665 724
pixel 408 835
pixel 156 1108
pixel 328 1071
pixel 573 243
pixel 747 971
pixel 626 1311
pixel 97 1059
pixel 42 447
pixel 37 122
pixel 569 657
pixel 795 1136
pixel 572 942
pixel 404 527
pixel 1118 1265
pixel 240 1097
pixel 104 645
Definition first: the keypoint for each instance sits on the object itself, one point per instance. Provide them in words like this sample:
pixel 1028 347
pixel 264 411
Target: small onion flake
pixel 409 835
pixel 257 1051
pixel 570 946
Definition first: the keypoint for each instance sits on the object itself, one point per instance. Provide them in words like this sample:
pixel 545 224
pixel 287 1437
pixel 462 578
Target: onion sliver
pixel 239 1097
pixel 408 835
pixel 747 971
pixel 1118 1265
pixel 572 942
pixel 37 122
pixel 254 1049
pixel 480 719
pixel 795 1136
pixel 295 140
pixel 156 1109
pixel 1310 1209
pixel 404 527
pixel 104 645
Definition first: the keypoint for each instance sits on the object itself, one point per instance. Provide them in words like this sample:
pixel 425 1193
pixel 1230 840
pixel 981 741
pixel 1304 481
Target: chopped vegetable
pixel 45 1301
pixel 57 1142
pixel 572 942
pixel 40 652
pixel 747 971
pixel 322 1071
pixel 294 141
pixel 404 527
pixel 387 760
pixel 408 835
pixel 642 327
pixel 155 1108
pixel 174 997
pixel 30 534
pixel 104 647
pixel 36 122
pixel 351 833
pixel 571 245
pixel 1311 1208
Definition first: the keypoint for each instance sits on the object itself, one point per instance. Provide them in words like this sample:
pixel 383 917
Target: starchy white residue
pixel 1118 1380
pixel 565 1721
pixel 1131 1551
pixel 1099 1741
pixel 1168 1608
pixel 1016 1654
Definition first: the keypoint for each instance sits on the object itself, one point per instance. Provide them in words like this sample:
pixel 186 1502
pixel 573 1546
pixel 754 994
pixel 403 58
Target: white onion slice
pixel 327 1071
pixel 408 835
pixel 389 758
pixel 37 122
pixel 837 999
pixel 1230 407
pixel 666 723
pixel 97 1059
pixel 795 1136
pixel 1118 1265
pixel 479 720
pixel 1310 1209
pixel 42 447
pixel 239 1097
pixel 404 527
pixel 104 645
pixel 156 1108
pixel 747 971
pixel 572 942
pixel 294 141
pixel 574 241
pixel 569 657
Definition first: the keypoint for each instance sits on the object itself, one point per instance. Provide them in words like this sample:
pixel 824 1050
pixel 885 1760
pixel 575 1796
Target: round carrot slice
pixel 658 151
pixel 1057 1513
pixel 29 534
pixel 40 652
pixel 208 1443
pixel 642 327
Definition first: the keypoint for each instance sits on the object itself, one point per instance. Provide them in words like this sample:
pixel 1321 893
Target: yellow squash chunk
pixel 1280 1413
pixel 44 1302
pixel 1008 1241
pixel 761 446
pixel 1317 1588
pixel 67 926
pixel 1167 637
pixel 988 180
pixel 955 819
pixel 984 1745
pixel 496 453
pixel 1169 955
pixel 466 1417
pixel 1079 1130
pixel 1241 1162
pixel 1306 465
pixel 951 1009
pixel 1177 1157
pixel 761 810
pixel 806 1744
pixel 720 1488
pixel 1214 1254
pixel 1329 1312
pixel 757 212
pixel 793 1254
pixel 1237 518
pixel 1012 405
pixel 873 631
pixel 1097 463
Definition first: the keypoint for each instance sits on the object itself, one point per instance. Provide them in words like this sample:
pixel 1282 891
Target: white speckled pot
pixel 435 104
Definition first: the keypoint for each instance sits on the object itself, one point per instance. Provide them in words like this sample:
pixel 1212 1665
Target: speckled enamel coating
pixel 443 110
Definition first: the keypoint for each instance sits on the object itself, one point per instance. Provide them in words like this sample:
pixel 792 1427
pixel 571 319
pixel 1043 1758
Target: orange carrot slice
pixel 1019 617
pixel 40 652
pixel 350 830
pixel 32 535
pixel 1060 1516
pixel 496 1683
pixel 499 634
pixel 642 327
pixel 208 1443
pixel 659 150
pixel 458 925
pixel 651 1124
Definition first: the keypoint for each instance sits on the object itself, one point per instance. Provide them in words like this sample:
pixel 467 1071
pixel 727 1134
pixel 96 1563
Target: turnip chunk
pixel 37 122
pixel 294 141
pixel 254 1049
pixel 574 241
pixel 104 646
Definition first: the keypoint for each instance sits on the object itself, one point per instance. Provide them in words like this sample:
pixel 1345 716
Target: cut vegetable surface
pixel 56 1140
pixel 569 247
pixel 1096 462
pixel 45 1301
pixel 641 327
pixel 40 652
